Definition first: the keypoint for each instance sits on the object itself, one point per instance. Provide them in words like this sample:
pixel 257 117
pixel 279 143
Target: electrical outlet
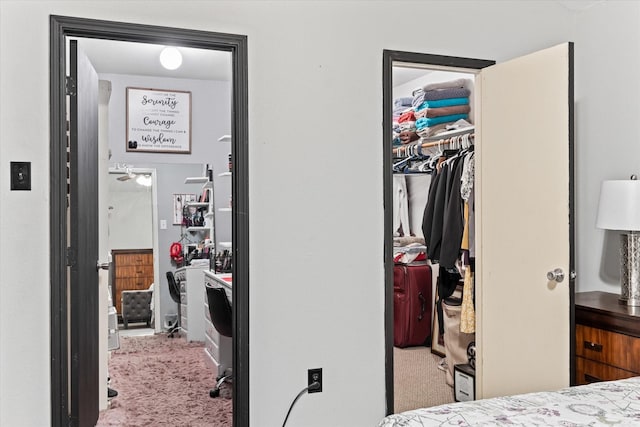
pixel 315 375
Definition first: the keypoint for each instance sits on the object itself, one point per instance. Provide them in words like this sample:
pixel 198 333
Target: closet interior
pixel 433 235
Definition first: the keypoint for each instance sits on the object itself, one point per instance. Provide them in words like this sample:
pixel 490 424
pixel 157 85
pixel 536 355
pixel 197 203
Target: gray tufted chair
pixel 136 307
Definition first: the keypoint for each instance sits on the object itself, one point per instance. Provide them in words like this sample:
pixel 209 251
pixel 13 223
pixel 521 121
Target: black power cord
pixel 313 386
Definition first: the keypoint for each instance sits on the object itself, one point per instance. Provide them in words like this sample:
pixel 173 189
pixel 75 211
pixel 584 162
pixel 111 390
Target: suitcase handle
pixel 423 307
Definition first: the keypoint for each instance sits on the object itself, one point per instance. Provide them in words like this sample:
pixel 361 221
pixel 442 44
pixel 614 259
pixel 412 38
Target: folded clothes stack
pixel 404 121
pixel 407 127
pixel 440 104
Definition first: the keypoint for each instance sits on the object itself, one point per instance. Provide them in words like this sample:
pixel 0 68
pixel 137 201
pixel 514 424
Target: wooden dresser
pixel 133 270
pixel 607 338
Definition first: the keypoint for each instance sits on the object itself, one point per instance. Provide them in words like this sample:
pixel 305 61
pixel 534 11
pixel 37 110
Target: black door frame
pixel 389 57
pixel 62 27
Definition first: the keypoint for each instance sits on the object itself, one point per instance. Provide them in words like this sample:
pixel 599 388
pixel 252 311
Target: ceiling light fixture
pixel 170 58
pixel 144 180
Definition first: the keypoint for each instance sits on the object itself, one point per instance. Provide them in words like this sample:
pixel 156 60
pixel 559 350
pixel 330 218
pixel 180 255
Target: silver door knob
pixel 556 275
pixel 102 266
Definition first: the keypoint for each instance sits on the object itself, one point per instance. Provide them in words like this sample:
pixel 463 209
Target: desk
pixel 192 298
pixel 218 349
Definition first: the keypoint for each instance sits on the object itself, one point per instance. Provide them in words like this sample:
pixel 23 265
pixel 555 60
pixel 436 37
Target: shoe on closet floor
pixel 442 365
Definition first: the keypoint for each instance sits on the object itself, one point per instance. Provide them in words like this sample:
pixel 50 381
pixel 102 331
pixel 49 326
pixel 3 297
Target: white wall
pixel 315 184
pixel 607 66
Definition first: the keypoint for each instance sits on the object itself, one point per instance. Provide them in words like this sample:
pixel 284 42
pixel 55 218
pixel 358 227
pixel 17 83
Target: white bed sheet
pixel 612 403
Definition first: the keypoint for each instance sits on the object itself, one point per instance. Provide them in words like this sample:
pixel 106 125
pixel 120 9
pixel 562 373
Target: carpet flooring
pixel 418 383
pixel 164 381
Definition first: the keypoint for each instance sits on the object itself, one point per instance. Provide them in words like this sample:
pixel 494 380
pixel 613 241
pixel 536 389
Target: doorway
pixel 503 158
pixel 402 73
pixel 78 406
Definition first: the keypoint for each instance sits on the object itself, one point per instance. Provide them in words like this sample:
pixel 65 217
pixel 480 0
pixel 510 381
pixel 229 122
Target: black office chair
pixel 174 291
pixel 221 317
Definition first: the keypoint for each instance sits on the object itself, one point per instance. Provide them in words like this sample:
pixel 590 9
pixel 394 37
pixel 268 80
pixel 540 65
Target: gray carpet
pixel 418 383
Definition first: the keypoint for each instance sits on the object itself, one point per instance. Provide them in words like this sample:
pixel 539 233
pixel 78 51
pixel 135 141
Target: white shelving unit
pixel 207 209
pixel 226 179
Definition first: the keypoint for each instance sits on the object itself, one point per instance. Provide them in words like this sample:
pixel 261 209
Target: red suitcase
pixel 412 303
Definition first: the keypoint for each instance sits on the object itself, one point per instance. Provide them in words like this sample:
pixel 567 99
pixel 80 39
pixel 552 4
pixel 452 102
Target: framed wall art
pixel 158 120
pixel 179 200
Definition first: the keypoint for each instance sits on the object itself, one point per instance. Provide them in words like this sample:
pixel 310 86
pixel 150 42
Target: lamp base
pixel 630 268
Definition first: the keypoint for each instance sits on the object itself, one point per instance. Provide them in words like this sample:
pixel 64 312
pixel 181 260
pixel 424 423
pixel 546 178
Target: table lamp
pixel 619 209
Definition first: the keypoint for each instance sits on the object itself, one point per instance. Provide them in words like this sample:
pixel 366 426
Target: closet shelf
pixel 196 180
pixel 197 204
pixel 225 244
pixel 445 135
pixel 224 209
pixel 225 174
pixel 195 228
pixel 225 138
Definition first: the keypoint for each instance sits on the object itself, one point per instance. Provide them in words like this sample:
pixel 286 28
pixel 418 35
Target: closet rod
pixel 454 139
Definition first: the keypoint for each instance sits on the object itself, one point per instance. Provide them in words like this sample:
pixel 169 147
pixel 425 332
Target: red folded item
pixel 402 258
pixel 407 116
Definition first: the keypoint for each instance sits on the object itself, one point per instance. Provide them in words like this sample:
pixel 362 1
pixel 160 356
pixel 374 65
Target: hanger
pixel 399 166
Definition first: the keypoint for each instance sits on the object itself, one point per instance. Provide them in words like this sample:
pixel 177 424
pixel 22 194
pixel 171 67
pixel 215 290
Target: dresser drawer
pixel 134 259
pixel 184 322
pixel 135 284
pixel 611 348
pixel 180 275
pixel 134 271
pixel 588 371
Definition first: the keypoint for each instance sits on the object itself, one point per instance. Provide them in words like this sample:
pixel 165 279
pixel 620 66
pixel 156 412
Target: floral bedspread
pixel 612 403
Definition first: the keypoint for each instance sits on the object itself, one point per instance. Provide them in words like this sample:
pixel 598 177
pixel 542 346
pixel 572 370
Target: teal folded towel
pixel 448 102
pixel 432 121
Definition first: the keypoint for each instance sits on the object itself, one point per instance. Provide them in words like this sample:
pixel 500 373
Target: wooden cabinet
pixel 133 270
pixel 607 338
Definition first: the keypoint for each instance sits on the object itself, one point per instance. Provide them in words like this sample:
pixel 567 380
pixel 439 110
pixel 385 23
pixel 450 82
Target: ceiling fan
pixel 128 174
pixel 143 179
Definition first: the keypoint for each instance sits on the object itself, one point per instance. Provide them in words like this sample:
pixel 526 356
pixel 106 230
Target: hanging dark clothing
pixel 453 222
pixel 427 218
pixel 433 235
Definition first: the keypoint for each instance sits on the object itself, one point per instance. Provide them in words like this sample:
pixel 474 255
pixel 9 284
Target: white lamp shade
pixel 619 207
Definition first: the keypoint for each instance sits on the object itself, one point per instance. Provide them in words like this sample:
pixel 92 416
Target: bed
pixel 598 404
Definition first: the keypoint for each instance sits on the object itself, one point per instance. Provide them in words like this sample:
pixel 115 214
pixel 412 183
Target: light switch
pixel 21 176
pixel 163 224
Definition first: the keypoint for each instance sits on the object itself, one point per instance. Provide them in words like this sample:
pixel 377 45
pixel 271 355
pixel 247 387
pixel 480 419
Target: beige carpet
pixel 418 383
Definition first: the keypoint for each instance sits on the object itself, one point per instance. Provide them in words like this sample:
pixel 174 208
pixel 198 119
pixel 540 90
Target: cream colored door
pixel 523 210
